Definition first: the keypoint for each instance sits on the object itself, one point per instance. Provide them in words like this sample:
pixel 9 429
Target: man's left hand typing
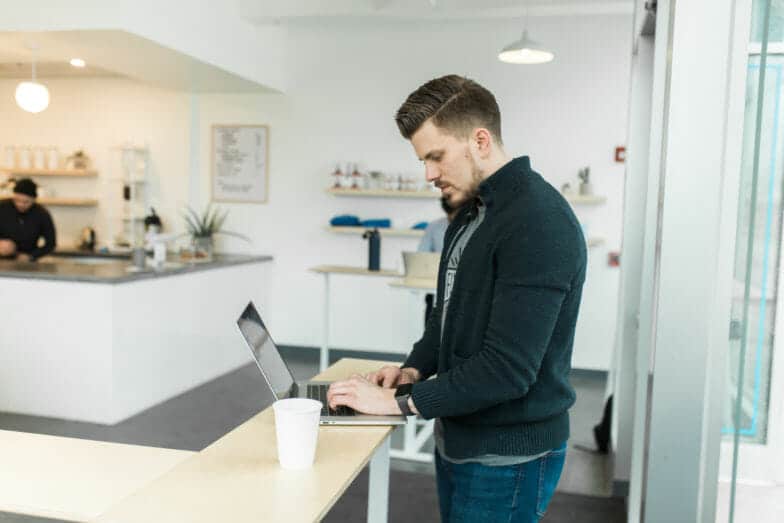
pixel 363 396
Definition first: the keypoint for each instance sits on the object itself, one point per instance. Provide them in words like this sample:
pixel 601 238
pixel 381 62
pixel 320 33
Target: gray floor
pixel 197 418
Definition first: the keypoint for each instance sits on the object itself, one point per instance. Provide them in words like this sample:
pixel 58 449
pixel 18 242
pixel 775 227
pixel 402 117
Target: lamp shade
pixel 525 51
pixel 32 96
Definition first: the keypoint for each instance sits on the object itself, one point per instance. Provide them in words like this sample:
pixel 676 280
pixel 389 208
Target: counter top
pixel 98 269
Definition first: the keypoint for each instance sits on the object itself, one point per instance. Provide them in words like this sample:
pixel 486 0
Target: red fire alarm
pixel 620 154
pixel 614 259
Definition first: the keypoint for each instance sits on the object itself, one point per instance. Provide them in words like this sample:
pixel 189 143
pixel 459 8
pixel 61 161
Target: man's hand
pixel 7 247
pixel 362 396
pixel 390 376
pixel 23 257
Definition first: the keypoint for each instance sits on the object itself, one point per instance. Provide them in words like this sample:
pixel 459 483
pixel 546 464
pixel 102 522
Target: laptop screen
pixel 265 352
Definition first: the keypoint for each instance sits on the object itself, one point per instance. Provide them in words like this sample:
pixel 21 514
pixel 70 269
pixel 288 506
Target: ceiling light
pixel 525 51
pixel 32 96
pixel 78 62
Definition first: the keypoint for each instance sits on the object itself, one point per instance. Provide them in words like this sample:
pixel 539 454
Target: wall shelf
pixel 595 242
pixel 383 193
pixel 68 202
pixel 412 233
pixel 50 172
pixel 418 233
pixel 585 200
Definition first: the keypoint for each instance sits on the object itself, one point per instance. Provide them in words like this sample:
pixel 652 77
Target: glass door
pixel 751 482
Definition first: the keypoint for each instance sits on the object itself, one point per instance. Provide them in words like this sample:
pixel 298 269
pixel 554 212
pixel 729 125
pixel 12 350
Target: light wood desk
pixel 74 479
pixel 326 271
pixel 419 285
pixel 238 478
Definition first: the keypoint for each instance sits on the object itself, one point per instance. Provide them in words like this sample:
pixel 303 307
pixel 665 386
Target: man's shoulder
pixel 40 209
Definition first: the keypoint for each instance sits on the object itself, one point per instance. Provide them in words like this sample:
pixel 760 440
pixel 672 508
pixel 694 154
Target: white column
pixel 695 245
pixel 632 248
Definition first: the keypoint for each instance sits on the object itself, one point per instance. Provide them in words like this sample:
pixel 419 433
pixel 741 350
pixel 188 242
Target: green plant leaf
pixel 236 235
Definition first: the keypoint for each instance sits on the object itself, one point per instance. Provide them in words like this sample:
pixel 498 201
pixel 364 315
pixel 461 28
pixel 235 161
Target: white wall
pixel 97 115
pixel 346 82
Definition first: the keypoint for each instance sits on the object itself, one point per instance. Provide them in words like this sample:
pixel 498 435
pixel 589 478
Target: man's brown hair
pixel 456 104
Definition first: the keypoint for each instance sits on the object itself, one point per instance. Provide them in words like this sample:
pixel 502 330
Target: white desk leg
pixel 324 356
pixel 378 488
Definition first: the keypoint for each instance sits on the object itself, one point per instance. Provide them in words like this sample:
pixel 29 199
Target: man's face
pixel 22 202
pixel 448 163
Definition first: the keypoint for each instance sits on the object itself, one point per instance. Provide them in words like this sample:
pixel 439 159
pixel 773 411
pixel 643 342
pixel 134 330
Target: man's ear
pixel 483 141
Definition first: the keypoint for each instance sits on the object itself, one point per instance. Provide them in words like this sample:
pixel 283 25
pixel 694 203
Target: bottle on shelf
pixel 355 177
pixel 10 157
pixel 52 158
pixel 338 174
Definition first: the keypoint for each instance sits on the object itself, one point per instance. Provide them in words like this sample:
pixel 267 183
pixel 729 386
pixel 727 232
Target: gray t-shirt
pixel 456 248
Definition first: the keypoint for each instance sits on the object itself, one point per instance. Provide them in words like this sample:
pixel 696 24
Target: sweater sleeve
pixel 49 235
pixel 533 278
pixel 424 355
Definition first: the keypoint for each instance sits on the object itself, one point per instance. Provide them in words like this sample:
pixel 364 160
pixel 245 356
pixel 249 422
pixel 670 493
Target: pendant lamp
pixel 32 96
pixel 525 50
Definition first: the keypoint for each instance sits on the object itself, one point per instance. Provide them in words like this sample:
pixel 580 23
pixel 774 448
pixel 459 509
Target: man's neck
pixel 495 163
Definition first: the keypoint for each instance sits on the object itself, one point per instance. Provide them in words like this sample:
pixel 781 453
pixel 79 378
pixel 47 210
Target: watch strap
pixel 402 402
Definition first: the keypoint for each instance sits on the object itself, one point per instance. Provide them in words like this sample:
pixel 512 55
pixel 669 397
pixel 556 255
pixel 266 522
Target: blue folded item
pixel 383 223
pixel 421 226
pixel 345 220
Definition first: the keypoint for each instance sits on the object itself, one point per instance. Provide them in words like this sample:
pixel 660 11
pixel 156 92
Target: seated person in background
pixel 433 241
pixel 23 222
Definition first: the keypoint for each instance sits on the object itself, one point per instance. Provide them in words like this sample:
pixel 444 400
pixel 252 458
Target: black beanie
pixel 26 186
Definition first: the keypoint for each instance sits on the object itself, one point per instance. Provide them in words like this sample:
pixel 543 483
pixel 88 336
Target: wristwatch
pixel 401 395
pixel 402 402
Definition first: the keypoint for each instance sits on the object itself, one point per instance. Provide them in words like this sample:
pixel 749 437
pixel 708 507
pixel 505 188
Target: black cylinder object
pixel 374 249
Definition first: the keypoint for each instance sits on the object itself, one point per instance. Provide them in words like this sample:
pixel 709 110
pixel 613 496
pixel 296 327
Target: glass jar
pixel 202 248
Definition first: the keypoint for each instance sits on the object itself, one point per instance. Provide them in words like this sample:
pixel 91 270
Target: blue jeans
pixel 471 492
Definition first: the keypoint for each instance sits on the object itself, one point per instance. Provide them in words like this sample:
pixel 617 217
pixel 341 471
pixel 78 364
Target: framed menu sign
pixel 239 163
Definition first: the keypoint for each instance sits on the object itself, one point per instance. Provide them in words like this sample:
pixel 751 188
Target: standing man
pixel 23 222
pixel 498 345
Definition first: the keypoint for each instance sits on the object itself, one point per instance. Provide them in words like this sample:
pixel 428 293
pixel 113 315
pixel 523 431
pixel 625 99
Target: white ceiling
pixel 293 11
pixel 113 53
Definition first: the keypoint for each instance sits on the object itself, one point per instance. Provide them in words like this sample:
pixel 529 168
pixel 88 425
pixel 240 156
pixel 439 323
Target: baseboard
pixel 589 373
pixel 620 489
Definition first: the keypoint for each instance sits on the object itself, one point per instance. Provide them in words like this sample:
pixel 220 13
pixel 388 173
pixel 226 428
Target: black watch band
pixel 402 403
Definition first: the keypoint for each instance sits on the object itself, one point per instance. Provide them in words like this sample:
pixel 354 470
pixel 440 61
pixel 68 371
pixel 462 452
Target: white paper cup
pixel 296 428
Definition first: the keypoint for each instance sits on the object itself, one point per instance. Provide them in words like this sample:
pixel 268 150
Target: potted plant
pixel 202 227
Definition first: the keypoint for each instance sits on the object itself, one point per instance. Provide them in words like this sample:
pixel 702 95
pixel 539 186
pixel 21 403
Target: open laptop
pixel 421 268
pixel 280 380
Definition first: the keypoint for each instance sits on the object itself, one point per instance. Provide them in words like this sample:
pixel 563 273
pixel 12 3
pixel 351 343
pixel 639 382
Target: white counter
pixel 102 353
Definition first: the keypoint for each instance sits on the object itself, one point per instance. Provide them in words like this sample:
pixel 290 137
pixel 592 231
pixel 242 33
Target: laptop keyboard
pixel 319 392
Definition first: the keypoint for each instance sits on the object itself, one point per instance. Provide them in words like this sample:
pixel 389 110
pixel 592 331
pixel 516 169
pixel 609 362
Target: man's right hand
pixel 390 376
pixel 7 248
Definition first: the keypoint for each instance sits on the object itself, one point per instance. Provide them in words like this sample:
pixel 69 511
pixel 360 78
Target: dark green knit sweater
pixel 502 384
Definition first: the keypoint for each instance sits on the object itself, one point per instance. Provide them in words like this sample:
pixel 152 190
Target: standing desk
pixel 414 438
pixel 326 271
pixel 238 478
pixel 74 479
